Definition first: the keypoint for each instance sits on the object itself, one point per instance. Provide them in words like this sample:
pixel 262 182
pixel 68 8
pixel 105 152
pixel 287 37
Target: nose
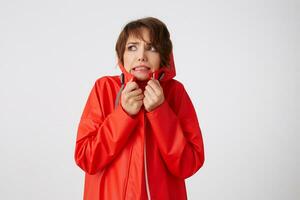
pixel 141 56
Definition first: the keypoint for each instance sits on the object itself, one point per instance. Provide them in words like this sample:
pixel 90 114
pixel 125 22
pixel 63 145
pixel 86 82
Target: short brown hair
pixel 159 37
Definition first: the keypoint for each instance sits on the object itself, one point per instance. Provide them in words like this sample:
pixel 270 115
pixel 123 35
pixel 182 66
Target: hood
pixel 164 73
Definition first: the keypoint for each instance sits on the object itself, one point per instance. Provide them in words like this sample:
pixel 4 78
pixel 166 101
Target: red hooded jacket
pixel 146 156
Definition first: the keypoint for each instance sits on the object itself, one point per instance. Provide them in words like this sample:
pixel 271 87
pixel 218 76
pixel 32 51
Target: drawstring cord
pixel 120 91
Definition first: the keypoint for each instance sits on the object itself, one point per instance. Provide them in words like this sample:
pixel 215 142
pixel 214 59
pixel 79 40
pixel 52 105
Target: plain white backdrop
pixel 238 60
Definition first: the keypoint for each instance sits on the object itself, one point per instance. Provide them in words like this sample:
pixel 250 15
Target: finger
pixel 135 100
pixel 134 93
pixel 147 104
pixel 130 86
pixel 139 97
pixel 146 101
pixel 149 90
pixel 140 102
pixel 154 84
pixel 149 95
pixel 137 103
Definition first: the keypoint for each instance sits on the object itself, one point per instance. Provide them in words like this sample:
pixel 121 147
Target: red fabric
pixel 110 143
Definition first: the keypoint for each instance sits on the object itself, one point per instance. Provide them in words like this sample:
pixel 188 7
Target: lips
pixel 141 72
pixel 141 68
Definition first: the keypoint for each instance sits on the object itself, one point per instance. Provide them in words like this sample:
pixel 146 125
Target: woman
pixel 139 137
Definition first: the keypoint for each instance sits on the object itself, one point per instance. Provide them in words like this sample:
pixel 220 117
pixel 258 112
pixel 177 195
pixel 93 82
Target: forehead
pixel 141 34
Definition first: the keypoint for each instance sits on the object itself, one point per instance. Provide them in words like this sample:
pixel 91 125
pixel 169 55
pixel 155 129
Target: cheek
pixel 127 61
pixel 156 62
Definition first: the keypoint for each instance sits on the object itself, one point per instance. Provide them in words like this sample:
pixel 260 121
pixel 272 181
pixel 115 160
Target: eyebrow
pixel 132 43
pixel 137 43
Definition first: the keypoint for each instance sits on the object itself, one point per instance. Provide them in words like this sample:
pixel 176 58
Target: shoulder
pixel 105 81
pixel 174 91
pixel 174 85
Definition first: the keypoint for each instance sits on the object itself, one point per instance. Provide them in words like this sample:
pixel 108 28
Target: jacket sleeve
pixel 100 139
pixel 178 136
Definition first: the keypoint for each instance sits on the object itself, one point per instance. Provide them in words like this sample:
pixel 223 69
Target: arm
pixel 100 139
pixel 178 136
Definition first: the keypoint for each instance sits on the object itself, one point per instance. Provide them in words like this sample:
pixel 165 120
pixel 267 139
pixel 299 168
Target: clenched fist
pixel 132 98
pixel 154 95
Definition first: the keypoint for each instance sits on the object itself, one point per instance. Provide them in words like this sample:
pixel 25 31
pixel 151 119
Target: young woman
pixel 139 136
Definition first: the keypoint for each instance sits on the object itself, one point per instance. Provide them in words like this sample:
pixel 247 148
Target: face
pixel 140 57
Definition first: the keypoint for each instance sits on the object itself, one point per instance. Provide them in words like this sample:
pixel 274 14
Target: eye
pixel 132 48
pixel 151 48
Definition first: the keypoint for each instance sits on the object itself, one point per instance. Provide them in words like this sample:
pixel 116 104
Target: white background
pixel 238 60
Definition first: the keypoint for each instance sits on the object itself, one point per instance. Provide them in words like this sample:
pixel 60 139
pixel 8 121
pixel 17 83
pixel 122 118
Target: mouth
pixel 141 68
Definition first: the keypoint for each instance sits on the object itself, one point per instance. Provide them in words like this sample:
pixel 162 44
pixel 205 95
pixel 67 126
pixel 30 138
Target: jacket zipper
pixel 145 161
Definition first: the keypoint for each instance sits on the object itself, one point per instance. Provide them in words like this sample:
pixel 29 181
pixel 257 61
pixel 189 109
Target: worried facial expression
pixel 140 57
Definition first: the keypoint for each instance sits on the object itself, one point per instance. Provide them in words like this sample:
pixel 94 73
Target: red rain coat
pixel 146 156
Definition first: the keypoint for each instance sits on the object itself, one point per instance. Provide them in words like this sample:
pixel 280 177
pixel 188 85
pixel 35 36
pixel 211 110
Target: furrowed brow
pixel 132 43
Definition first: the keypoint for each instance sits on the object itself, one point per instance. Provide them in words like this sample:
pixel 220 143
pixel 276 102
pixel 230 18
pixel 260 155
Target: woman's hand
pixel 132 98
pixel 154 95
